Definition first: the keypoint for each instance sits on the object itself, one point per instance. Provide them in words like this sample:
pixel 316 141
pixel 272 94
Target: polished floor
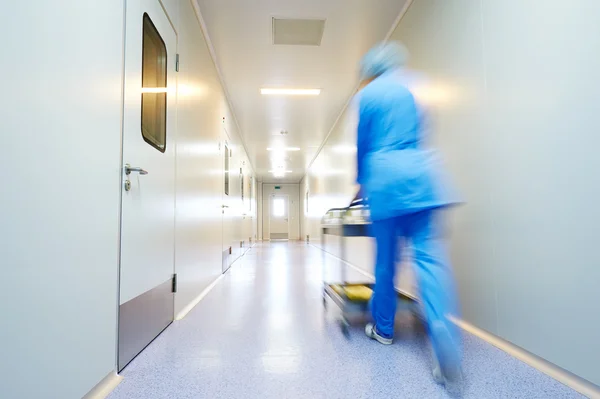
pixel 262 332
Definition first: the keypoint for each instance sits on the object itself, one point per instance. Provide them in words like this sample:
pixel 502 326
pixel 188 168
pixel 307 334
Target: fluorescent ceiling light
pixel 279 171
pixel 283 149
pixel 290 92
pixel 279 157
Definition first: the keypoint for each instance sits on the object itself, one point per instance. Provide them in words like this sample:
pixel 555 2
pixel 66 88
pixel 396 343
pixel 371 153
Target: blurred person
pixel 406 192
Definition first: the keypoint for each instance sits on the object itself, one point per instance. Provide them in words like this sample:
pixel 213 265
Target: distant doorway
pixel 279 217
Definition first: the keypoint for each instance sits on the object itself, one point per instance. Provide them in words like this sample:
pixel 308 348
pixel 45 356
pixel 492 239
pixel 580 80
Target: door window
pixel 278 207
pixel 154 87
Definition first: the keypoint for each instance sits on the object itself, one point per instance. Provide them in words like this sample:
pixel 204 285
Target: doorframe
pixel 120 182
pixel 287 196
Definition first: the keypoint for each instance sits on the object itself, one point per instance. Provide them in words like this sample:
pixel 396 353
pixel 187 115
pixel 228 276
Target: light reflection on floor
pixel 262 333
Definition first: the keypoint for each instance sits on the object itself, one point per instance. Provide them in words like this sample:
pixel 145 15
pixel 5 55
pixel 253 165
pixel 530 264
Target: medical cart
pixel 351 298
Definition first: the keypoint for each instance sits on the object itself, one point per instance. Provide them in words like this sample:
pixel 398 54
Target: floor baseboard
pixel 561 375
pixel 104 387
pixel 197 300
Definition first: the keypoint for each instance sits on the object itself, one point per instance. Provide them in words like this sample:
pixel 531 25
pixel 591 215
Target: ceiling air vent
pixel 298 32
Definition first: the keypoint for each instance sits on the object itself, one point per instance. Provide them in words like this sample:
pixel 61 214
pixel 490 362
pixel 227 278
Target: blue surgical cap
pixel 383 58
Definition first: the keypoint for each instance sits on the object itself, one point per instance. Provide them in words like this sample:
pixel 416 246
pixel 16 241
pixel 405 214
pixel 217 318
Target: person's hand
pixel 359 195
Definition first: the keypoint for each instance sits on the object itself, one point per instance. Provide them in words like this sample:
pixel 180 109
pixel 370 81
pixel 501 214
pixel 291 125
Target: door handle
pixel 128 169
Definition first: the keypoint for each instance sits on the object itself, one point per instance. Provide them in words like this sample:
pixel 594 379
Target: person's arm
pixel 362 140
pixel 362 136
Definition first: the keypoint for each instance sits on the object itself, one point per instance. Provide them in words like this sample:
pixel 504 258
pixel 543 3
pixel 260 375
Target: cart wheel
pixel 345 326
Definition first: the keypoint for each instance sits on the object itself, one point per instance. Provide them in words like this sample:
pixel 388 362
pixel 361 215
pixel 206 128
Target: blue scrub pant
pixel 434 279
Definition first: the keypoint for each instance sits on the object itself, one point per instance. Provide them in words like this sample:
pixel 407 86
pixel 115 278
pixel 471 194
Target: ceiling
pixel 241 32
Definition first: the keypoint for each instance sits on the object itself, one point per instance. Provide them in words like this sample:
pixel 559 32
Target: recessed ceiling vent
pixel 298 32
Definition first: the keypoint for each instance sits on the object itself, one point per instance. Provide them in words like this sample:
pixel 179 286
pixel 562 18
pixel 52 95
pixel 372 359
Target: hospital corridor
pixel 300 199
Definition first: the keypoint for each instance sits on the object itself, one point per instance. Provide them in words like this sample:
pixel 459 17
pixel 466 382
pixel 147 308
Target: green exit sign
pixel 277 187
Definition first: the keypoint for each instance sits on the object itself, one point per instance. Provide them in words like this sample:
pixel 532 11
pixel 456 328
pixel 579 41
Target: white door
pixel 148 195
pixel 244 218
pixel 227 211
pixel 279 217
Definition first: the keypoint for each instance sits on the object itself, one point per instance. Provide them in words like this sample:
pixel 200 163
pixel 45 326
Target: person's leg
pixel 437 292
pixel 383 304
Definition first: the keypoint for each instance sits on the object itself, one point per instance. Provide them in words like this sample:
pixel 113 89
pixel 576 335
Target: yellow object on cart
pixel 355 293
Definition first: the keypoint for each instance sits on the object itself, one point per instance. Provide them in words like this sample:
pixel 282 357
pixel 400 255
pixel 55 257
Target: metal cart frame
pixel 346 305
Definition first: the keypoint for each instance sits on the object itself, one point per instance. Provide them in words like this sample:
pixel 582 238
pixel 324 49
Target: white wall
pixel 259 199
pixel 254 213
pixel 59 208
pixel 292 191
pixel 514 95
pixel 61 170
pixel 238 208
pixel 202 114
pixel 518 122
pixel 201 106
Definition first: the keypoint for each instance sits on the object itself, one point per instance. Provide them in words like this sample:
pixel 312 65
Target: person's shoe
pixel 372 333
pixel 436 371
pixel 451 377
pixel 446 365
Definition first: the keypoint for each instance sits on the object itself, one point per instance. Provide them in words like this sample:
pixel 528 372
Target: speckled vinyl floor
pixel 262 333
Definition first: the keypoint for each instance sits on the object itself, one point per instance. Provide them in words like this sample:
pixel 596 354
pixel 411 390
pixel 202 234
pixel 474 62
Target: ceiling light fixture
pixel 279 171
pixel 154 89
pixel 283 149
pixel 290 92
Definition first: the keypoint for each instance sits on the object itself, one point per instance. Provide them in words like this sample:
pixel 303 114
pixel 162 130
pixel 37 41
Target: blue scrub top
pixel 397 174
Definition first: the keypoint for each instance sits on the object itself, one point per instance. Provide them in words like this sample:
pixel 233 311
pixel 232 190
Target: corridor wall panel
pixel 512 90
pixel 203 114
pixel 59 207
